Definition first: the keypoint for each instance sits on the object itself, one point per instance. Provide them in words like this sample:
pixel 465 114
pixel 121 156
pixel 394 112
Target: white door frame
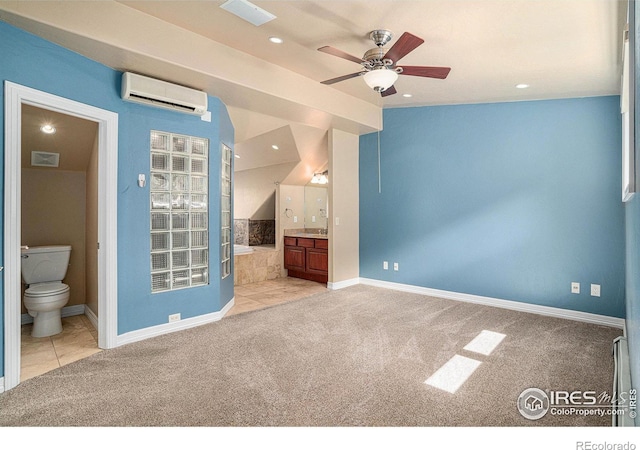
pixel 15 96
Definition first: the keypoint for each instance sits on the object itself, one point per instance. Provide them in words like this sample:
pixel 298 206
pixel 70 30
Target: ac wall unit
pixel 153 92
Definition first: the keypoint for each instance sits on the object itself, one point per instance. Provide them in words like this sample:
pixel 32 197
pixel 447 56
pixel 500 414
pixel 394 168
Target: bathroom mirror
pixel 316 206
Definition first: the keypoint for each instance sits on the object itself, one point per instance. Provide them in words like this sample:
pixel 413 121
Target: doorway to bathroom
pixel 22 105
pixel 59 183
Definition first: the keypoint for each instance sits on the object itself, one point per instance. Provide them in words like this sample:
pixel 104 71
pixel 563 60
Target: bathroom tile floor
pixel 78 340
pixel 249 297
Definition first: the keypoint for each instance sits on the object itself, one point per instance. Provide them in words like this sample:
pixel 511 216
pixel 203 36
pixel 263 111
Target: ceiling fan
pixel 380 69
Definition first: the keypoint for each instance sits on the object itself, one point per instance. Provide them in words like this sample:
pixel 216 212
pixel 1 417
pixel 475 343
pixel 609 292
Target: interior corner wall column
pixel 344 206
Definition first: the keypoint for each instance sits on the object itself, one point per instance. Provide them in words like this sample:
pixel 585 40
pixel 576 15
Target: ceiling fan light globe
pixel 380 79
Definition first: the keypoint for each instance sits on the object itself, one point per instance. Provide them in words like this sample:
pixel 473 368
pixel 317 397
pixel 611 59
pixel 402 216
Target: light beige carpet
pixel 354 357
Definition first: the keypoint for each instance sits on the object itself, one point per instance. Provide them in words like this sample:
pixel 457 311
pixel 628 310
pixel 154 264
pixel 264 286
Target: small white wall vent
pixel 150 91
pixel 45 159
pixel 248 11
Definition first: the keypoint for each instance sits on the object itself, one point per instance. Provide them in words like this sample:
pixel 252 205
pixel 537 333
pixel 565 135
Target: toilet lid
pixel 46 289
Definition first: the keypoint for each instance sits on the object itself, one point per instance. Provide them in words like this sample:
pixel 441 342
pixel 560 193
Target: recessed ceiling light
pixel 275 147
pixel 237 156
pixel 522 86
pixel 407 95
pixel 275 40
pixel 48 129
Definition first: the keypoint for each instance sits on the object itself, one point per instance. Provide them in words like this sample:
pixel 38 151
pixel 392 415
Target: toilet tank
pixel 43 264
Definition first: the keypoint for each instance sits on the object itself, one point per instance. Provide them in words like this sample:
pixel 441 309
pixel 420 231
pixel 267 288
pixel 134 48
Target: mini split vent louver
pixel 45 159
pixel 152 92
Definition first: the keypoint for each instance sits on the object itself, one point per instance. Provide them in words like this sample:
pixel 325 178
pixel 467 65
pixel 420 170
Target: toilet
pixel 43 269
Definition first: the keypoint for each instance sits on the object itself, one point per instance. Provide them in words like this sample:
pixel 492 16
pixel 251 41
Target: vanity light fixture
pixel 48 129
pixel 320 177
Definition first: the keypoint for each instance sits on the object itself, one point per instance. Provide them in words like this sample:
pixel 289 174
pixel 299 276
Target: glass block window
pixel 179 211
pixel 225 212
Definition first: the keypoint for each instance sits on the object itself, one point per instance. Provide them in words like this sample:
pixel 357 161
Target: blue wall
pixel 512 201
pixel 37 63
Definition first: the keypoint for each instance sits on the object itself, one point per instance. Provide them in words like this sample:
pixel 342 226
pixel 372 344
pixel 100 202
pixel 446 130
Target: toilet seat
pixel 46 289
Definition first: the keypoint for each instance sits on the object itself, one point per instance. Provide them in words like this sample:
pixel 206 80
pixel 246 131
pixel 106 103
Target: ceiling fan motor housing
pixel 381 37
pixel 373 58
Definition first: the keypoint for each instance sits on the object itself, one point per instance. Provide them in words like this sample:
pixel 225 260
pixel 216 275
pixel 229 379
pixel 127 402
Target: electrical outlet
pixel 385 265
pixel 295 219
pixel 575 288
pixel 595 290
pixel 174 317
pixel 395 267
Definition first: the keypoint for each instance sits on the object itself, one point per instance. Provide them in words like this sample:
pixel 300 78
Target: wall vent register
pixel 179 211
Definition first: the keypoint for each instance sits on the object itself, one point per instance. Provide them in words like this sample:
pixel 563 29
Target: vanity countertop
pixel 309 233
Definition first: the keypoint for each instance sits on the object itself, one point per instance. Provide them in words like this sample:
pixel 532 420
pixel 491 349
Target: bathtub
pixel 241 249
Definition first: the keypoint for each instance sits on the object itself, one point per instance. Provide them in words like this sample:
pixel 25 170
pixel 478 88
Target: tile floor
pixel 249 297
pixel 79 338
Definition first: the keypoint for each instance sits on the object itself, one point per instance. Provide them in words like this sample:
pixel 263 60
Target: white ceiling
pixel 561 48
pixel 260 152
pixel 73 140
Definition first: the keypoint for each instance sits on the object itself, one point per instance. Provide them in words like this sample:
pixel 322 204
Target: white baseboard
pixel 93 318
pixel 165 328
pixel 499 303
pixel 145 333
pixel 1 385
pixel 343 284
pixel 67 311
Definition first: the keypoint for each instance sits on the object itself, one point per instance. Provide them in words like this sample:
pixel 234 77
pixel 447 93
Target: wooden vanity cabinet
pixel 294 256
pixel 307 258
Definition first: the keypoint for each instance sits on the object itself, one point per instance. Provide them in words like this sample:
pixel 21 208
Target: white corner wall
pixel 344 214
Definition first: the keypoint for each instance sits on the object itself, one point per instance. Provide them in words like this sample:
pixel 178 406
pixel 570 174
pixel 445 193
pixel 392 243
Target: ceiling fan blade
pixel 403 46
pixel 423 71
pixel 389 91
pixel 340 54
pixel 342 78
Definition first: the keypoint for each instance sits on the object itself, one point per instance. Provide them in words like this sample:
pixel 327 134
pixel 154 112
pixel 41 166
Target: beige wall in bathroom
pixel 344 245
pixel 53 213
pixel 254 188
pixel 289 204
pixel 91 238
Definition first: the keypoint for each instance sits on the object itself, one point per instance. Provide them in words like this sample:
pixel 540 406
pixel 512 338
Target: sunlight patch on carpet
pixel 453 374
pixel 485 342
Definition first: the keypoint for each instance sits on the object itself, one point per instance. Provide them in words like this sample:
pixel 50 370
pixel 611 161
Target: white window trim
pixel 627 110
